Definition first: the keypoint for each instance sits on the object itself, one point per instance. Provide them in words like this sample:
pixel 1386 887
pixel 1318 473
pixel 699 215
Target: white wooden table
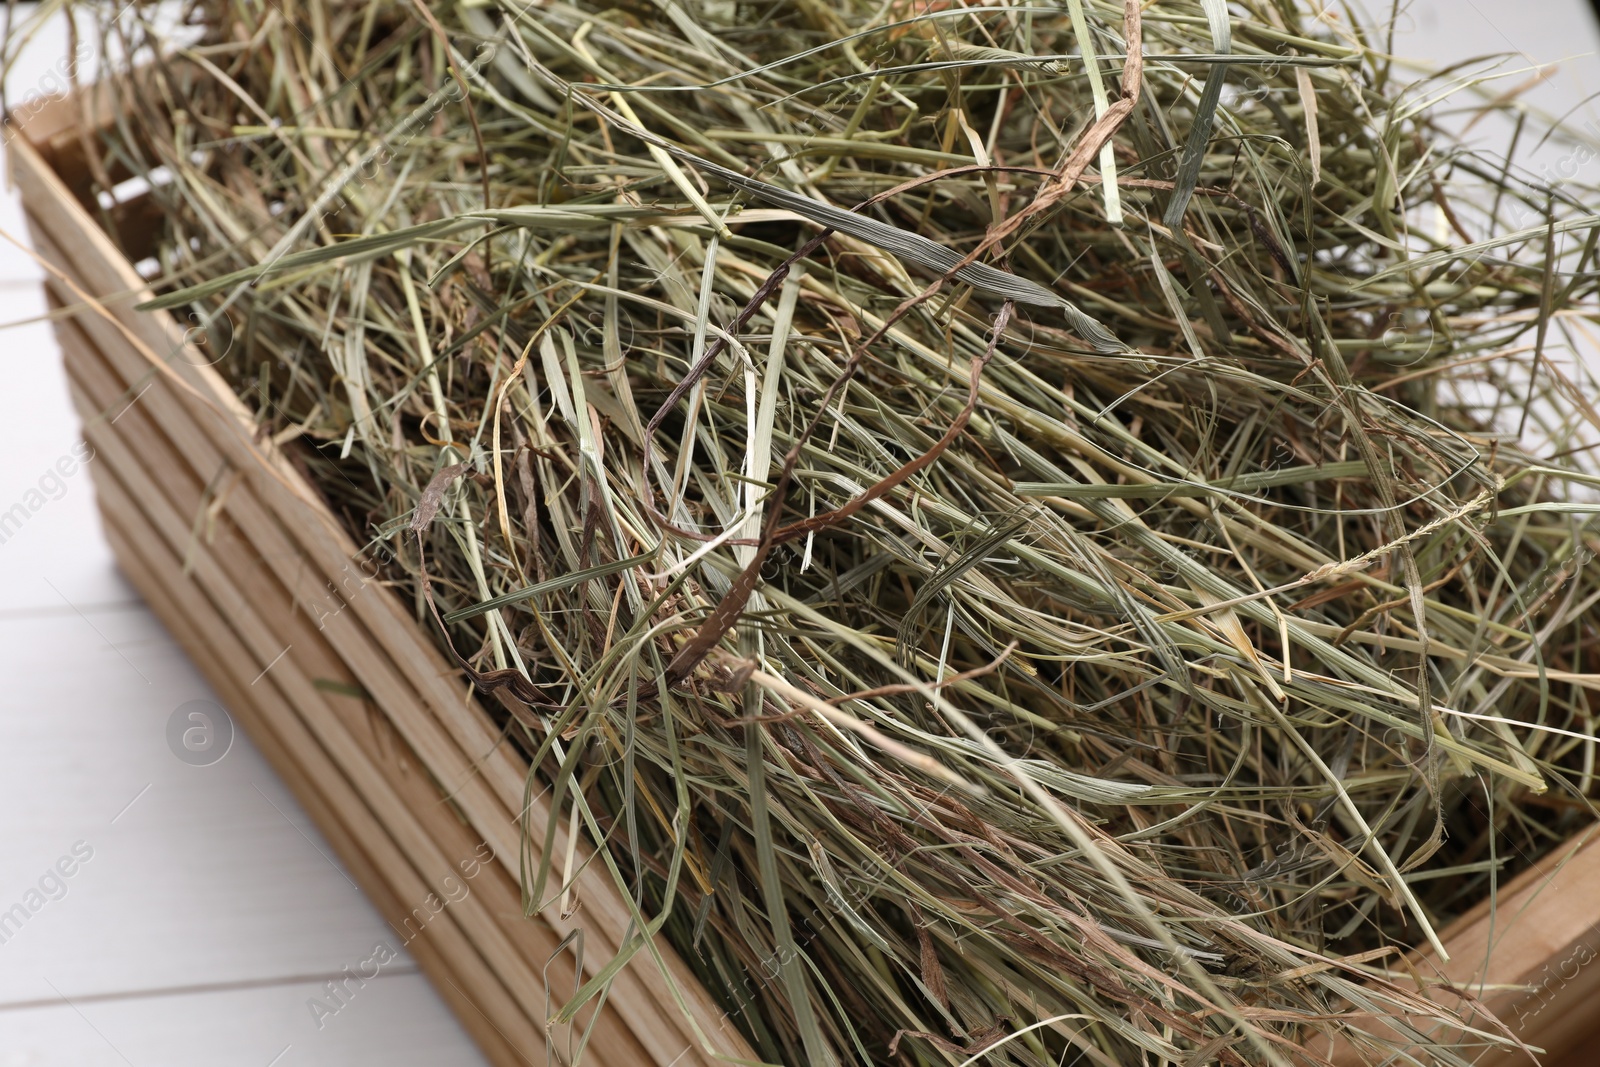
pixel 209 912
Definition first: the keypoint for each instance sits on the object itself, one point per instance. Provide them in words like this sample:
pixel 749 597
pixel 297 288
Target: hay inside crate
pixel 244 563
pixel 379 739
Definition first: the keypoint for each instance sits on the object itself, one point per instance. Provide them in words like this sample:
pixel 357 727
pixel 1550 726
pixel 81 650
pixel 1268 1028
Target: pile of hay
pixel 1098 601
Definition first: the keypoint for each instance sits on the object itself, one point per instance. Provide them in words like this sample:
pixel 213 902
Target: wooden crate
pixel 1534 964
pixel 255 577
pixel 379 738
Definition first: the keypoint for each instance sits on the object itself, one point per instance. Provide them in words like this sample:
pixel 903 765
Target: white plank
pixel 394 1020
pixel 198 874
pixel 51 551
